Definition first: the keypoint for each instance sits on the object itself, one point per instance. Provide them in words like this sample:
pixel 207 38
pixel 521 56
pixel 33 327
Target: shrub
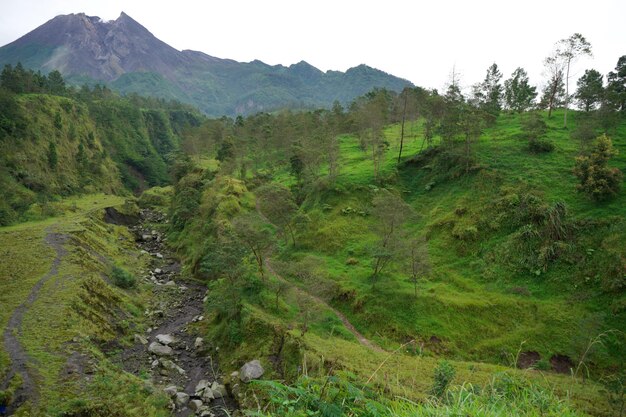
pixel 540 146
pixel 122 278
pixel 444 374
pixel 597 179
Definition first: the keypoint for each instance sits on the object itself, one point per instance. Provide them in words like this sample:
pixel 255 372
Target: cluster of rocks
pixel 178 360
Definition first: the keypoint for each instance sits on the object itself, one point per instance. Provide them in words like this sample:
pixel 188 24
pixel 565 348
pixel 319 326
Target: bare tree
pixel 569 50
pixel 417 261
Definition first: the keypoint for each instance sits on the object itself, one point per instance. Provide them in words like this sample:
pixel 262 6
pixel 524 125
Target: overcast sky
pixel 419 41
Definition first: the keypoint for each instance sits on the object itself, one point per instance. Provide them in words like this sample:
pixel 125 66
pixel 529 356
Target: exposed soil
pixel 19 358
pixel 561 364
pixel 528 359
pixel 181 304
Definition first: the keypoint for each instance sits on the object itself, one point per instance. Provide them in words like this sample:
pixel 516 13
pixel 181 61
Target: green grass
pixel 76 310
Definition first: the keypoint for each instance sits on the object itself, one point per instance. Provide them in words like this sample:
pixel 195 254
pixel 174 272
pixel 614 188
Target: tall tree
pixel 253 233
pixel 554 91
pixel 488 94
pixel 276 202
pixel 569 50
pixel 590 90
pixel 519 94
pixel 417 263
pixel 390 213
pixel 616 88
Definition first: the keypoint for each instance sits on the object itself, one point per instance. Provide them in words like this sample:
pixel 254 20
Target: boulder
pixel 165 339
pixel 140 339
pixel 251 370
pixel 199 342
pixel 195 405
pixel 169 365
pixel 202 385
pixel 219 390
pixel 170 390
pixel 160 350
pixel 181 399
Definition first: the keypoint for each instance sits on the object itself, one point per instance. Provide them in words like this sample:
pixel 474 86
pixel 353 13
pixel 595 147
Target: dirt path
pixel 17 354
pixel 362 339
pixel 178 305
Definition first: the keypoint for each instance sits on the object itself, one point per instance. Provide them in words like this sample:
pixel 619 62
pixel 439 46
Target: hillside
pixel 67 142
pixel 127 57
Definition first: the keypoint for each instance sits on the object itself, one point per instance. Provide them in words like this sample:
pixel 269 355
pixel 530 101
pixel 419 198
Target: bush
pixel 444 374
pixel 122 278
pixel 596 178
pixel 540 146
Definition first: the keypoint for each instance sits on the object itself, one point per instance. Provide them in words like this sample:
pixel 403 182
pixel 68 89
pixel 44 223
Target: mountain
pixel 125 55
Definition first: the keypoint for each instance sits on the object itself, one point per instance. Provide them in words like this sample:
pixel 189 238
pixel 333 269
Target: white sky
pixel 419 41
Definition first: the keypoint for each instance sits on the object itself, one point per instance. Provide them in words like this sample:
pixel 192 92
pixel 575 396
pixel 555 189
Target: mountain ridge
pixel 127 56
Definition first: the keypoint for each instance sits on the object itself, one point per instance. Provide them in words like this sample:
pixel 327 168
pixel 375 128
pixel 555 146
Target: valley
pixel 396 251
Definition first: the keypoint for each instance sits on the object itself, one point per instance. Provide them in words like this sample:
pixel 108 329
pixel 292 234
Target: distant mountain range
pixel 127 57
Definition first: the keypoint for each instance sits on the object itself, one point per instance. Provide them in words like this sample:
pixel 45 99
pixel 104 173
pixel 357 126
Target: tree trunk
pixel 402 129
pixel 566 94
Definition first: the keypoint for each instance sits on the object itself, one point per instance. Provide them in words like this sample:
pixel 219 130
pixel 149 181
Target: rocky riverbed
pixel 179 361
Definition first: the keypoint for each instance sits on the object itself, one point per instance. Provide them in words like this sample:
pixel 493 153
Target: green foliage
pixel 443 376
pixel 53 157
pixel 597 179
pixel 122 278
pixel 519 94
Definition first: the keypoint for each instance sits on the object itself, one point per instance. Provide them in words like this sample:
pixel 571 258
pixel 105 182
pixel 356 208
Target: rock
pixel 154 233
pixel 234 375
pixel 165 339
pixel 140 339
pixel 251 370
pixel 144 252
pixel 201 386
pixel 158 255
pixel 205 299
pixel 146 237
pixel 159 349
pixel 219 390
pixel 195 405
pixel 158 271
pixel 208 396
pixel 170 390
pixel 181 399
pixel 199 342
pixel 155 363
pixel 168 364
pixel 170 284
pixel 206 413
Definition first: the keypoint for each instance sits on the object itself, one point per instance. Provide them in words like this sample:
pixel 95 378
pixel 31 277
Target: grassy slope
pixel 472 307
pixel 76 311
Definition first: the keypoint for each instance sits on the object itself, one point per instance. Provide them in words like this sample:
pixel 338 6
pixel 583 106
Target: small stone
pixel 146 237
pixel 158 271
pixel 144 252
pixel 159 349
pixel 195 405
pixel 181 399
pixel 165 339
pixel 155 363
pixel 170 284
pixel 206 413
pixel 200 318
pixel 199 342
pixel 171 390
pixel 154 233
pixel 140 339
pixel 205 299
pixel 234 374
pixel 158 255
pixel 251 370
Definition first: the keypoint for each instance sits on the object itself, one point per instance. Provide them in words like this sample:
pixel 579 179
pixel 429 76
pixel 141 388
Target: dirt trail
pixel 362 339
pixel 17 354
